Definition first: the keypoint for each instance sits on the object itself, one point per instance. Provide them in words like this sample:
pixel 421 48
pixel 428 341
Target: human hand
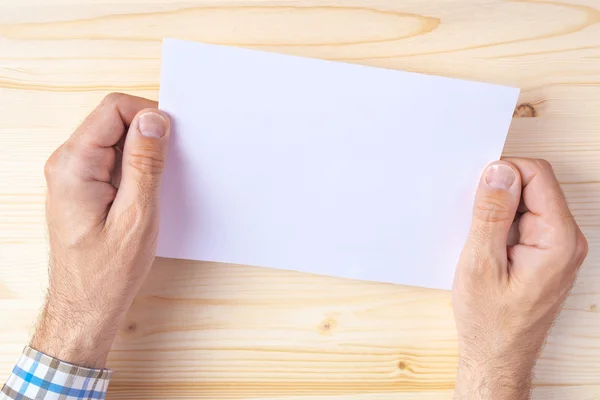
pixel 506 296
pixel 102 239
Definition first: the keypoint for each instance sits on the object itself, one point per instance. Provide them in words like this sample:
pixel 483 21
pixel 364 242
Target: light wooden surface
pixel 233 332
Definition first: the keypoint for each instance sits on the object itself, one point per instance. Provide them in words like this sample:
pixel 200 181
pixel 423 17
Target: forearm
pixel 67 354
pixel 498 382
pixel 78 334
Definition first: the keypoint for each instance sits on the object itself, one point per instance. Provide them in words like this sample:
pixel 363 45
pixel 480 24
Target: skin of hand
pixel 517 267
pixel 102 238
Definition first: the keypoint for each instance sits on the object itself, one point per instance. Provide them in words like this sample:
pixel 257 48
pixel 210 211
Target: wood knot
pixel 593 307
pixel 524 110
pixel 402 365
pixel 327 326
pixel 132 327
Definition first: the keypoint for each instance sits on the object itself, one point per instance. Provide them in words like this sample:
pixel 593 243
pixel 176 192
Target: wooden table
pixel 210 331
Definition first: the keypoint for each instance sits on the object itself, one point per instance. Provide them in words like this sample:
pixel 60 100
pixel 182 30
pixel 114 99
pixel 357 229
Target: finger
pixel 67 176
pixel 144 157
pixel 535 231
pixel 522 207
pixel 514 233
pixel 495 208
pixel 105 126
pixel 542 194
pixel 547 229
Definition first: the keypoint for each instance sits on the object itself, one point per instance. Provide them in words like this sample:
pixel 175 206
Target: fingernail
pixel 500 176
pixel 152 124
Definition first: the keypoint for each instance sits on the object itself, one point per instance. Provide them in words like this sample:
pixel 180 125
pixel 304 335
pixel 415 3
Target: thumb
pixel 496 204
pixel 144 156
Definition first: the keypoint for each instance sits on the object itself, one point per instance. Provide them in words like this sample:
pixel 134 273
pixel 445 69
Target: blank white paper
pixel 322 167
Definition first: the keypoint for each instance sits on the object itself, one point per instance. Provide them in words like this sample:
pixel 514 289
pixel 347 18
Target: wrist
pixel 76 335
pixel 494 379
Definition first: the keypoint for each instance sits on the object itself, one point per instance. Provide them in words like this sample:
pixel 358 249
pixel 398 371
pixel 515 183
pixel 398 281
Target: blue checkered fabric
pixel 38 376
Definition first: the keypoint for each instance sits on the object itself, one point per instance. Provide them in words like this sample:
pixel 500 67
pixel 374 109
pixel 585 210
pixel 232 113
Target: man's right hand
pixel 507 294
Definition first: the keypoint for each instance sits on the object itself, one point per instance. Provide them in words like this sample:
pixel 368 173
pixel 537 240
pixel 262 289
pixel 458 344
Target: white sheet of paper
pixel 322 167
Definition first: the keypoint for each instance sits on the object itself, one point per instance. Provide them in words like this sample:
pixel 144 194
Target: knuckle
pixel 582 248
pixel 112 98
pixel 99 161
pixel 69 148
pixel 543 164
pixel 76 158
pixel 492 209
pixel 50 166
pixel 68 160
pixel 85 154
pixel 147 161
pixel 572 250
pixel 56 161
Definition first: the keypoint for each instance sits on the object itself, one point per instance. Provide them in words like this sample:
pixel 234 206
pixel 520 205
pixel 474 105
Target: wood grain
pixel 211 331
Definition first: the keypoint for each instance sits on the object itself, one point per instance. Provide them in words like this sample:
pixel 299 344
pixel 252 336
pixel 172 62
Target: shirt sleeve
pixel 38 376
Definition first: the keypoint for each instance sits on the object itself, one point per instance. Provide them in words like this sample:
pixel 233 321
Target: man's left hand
pixel 103 226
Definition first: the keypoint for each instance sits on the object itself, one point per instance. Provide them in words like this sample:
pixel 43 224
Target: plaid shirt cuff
pixel 38 376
